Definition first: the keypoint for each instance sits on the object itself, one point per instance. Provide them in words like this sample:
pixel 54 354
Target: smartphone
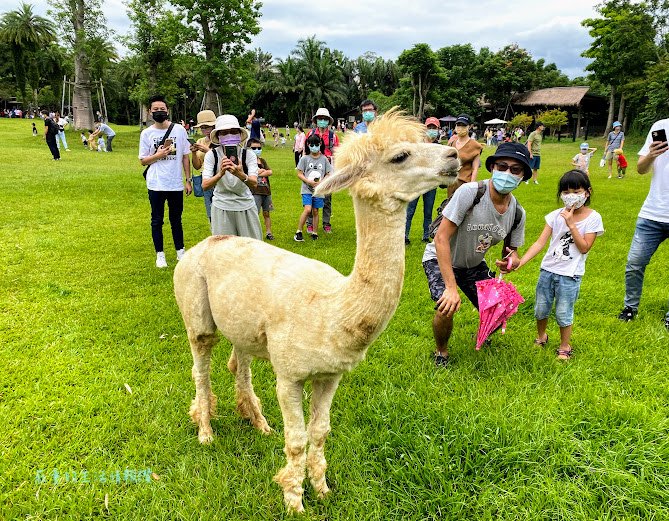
pixel 659 135
pixel 191 141
pixel 230 152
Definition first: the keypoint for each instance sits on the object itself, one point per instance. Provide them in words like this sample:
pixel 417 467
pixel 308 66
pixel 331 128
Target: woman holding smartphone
pixel 233 208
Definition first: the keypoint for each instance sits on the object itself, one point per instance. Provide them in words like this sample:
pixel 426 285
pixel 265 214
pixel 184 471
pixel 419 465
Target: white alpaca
pixel 256 294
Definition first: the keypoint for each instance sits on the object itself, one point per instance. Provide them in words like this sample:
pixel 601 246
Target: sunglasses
pixel 514 169
pixel 255 148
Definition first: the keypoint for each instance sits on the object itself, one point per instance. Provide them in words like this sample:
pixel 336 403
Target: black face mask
pixel 159 116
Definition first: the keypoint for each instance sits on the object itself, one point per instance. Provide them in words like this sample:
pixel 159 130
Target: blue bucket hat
pixel 617 124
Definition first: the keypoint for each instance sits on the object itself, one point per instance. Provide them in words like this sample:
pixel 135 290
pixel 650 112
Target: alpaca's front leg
pixel 203 406
pixel 290 477
pixel 319 428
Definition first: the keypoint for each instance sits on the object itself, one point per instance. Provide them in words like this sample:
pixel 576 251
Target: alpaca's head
pixel 391 164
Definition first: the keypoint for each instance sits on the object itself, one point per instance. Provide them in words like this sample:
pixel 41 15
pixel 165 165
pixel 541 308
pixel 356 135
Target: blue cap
pixel 617 124
pixel 584 146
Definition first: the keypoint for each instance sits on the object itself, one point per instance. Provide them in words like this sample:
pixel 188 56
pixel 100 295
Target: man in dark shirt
pixel 50 133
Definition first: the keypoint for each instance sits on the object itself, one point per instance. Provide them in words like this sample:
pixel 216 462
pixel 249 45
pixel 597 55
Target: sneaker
pixel 314 236
pixel 310 229
pixel 160 260
pixel 298 237
pixel 666 322
pixel 180 254
pixel 527 182
pixel 327 228
pixel 609 177
pixel 407 241
pixel 67 150
pixel 269 237
pixel 627 314
pixel 536 182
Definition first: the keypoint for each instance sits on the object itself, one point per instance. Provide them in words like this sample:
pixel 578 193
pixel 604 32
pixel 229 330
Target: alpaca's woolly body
pixel 309 320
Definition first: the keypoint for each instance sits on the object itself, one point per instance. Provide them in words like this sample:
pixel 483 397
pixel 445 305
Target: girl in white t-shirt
pixel 572 231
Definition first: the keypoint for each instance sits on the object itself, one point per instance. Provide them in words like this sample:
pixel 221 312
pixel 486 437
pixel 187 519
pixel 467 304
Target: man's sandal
pixel 440 360
pixel 564 354
pixel 540 343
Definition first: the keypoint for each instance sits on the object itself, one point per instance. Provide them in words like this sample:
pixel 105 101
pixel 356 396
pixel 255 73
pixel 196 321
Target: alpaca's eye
pixel 402 156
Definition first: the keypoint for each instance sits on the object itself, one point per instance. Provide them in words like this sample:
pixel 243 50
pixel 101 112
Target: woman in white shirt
pixel 62 123
pixel 233 208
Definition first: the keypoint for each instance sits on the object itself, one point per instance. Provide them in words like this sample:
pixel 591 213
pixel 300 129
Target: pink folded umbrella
pixel 498 300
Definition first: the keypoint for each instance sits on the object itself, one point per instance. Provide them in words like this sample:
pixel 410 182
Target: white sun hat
pixel 323 112
pixel 227 122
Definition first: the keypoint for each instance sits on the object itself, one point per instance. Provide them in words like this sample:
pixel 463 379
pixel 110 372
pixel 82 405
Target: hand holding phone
pixel 230 152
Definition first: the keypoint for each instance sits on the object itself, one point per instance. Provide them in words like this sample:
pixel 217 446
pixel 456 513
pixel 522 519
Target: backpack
pixel 330 144
pixel 480 192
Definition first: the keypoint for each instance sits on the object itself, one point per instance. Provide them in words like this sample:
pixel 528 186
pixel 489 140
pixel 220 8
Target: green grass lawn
pixel 504 433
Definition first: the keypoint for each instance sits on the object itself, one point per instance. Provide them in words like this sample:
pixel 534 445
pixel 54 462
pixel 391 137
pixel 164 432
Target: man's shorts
pixel 264 202
pixel 314 202
pixel 465 278
pixel 535 162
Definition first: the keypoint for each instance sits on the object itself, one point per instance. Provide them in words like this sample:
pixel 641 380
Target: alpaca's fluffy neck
pixel 372 290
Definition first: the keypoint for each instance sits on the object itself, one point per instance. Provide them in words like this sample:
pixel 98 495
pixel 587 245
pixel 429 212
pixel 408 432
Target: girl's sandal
pixel 540 343
pixel 564 354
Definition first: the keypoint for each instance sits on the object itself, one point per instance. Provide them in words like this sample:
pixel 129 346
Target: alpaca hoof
pixel 205 436
pixel 322 491
pixel 294 507
pixel 263 426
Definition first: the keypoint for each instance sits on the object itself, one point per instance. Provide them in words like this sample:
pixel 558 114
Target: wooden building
pixel 587 112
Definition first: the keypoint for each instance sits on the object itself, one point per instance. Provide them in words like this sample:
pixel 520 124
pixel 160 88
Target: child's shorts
pixel 314 202
pixel 561 289
pixel 264 202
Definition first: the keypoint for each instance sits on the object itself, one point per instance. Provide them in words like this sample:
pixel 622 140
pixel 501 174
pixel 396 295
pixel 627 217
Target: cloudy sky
pixel 550 30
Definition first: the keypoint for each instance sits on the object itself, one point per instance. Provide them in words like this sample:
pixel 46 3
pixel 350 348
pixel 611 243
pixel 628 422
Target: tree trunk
pixel 612 106
pixel 211 100
pixel 621 110
pixel 413 105
pixel 82 103
pixel 420 97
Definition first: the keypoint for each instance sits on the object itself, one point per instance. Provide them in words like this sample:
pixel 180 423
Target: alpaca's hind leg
pixel 318 430
pixel 203 406
pixel 290 477
pixel 248 403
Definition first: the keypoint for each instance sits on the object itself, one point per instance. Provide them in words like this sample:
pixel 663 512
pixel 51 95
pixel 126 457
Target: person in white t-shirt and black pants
pixel 164 177
pixel 652 225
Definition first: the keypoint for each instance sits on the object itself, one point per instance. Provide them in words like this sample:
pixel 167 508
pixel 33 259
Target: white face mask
pixel 574 201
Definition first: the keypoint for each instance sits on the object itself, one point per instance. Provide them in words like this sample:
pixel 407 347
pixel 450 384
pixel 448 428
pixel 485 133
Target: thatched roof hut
pixel 578 101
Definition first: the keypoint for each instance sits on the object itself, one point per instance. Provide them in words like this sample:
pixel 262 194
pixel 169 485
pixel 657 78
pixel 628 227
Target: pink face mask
pixel 230 139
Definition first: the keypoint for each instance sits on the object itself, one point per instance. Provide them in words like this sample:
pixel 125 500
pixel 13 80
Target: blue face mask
pixel 315 149
pixel 432 133
pixel 503 182
pixel 322 123
pixel 257 151
pixel 368 116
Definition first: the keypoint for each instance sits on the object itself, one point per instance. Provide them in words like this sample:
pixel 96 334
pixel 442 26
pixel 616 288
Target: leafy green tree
pixel 522 120
pixel 84 25
pixel 505 72
pixel 623 44
pixel 224 28
pixel 420 65
pixel 548 76
pixel 553 119
pixel 25 33
pixel 462 85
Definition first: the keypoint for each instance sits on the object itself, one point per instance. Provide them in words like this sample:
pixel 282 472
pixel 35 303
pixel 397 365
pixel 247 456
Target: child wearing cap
pixel 311 170
pixel 622 162
pixel 582 160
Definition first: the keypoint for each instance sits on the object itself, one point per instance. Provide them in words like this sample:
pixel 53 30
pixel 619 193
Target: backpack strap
pixel 434 225
pixel 162 142
pixel 330 140
pixel 516 221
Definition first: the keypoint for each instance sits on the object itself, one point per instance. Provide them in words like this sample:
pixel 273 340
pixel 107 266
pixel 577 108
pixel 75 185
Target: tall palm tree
pixel 25 32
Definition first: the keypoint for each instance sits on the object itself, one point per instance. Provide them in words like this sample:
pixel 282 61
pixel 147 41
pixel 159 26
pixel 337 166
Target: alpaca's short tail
pixel 190 290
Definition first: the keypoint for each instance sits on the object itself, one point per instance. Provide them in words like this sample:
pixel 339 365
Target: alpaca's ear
pixel 341 179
